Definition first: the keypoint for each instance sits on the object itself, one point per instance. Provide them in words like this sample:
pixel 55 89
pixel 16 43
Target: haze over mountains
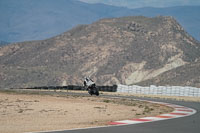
pixel 146 3
pixel 24 20
pixel 127 50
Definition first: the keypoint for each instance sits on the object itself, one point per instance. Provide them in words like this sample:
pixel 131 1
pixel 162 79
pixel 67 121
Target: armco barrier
pixel 161 90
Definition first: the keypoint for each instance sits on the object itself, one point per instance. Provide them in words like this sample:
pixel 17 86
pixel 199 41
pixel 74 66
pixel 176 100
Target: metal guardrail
pixel 161 90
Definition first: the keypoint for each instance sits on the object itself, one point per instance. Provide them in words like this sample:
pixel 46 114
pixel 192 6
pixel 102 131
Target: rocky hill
pixel 127 50
pixel 186 75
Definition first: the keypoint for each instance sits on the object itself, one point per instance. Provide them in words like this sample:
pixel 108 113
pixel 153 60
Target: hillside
pixel 3 43
pixel 187 75
pixel 25 20
pixel 125 50
pixel 187 16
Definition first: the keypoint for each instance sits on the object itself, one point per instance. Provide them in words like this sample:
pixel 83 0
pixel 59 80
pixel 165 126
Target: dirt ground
pixel 28 113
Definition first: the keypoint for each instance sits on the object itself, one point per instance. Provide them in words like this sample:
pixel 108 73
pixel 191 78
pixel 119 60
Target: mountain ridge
pixel 125 50
pixel 26 20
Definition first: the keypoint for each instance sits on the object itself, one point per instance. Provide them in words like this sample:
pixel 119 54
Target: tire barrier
pixel 134 89
pixel 74 87
pixel 108 88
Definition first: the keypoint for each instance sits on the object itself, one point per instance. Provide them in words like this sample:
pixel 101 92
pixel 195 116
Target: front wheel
pixel 97 93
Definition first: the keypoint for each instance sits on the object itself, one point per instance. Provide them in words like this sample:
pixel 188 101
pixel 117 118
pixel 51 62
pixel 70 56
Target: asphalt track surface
pixel 188 124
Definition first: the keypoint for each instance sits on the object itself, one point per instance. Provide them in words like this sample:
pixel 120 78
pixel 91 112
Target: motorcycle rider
pixel 89 83
pixel 91 87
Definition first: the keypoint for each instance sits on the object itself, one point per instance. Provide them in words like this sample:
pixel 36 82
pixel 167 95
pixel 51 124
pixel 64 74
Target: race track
pixel 188 124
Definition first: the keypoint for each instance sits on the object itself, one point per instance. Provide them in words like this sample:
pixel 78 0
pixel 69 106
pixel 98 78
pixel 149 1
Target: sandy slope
pixel 25 113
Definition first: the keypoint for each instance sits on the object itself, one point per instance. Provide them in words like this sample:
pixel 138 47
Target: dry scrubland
pixel 30 112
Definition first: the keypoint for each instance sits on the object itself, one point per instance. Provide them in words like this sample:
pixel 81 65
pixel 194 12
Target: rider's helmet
pixel 86 79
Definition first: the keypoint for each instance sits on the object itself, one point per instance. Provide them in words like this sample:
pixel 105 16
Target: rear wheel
pixel 90 92
pixel 96 91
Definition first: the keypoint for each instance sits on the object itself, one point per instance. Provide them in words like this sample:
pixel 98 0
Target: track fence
pixel 160 90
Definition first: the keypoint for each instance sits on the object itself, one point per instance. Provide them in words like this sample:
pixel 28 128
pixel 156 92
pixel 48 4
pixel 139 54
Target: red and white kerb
pixel 179 111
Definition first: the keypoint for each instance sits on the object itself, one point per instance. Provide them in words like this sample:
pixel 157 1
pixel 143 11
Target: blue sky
pixel 146 3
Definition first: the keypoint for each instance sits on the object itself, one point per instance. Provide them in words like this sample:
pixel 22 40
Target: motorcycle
pixel 93 90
